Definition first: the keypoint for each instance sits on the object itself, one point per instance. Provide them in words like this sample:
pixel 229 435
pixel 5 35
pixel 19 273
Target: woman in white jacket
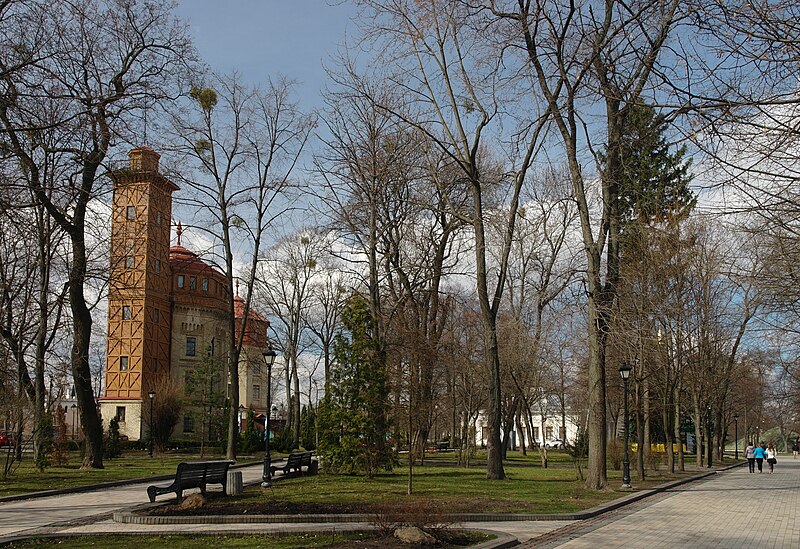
pixel 771 457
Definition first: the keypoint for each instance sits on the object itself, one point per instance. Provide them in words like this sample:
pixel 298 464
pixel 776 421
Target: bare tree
pixel 435 54
pixel 84 69
pixel 244 145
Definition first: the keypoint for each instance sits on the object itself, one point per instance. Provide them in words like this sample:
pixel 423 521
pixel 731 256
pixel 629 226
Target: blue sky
pixel 267 38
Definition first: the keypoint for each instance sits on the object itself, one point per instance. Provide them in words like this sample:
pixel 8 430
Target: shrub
pixel 113 445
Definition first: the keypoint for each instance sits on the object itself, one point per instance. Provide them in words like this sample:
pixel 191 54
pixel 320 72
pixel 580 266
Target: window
pixel 256 392
pixel 536 433
pixel 159 217
pixel 121 414
pixel 205 284
pixel 156 313
pixel 192 282
pixel 158 265
pixel 191 346
pixel 181 281
pixel 126 312
pixel 548 432
pixel 130 212
pixel 154 365
pixel 123 363
pixel 188 423
pixel 129 262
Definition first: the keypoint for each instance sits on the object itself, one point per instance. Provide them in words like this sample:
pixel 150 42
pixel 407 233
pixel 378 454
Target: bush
pixel 113 445
pixel 282 442
pixel 251 439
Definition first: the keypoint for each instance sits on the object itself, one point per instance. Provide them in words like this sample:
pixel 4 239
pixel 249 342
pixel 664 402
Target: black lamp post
pixel 266 474
pixel 625 373
pixel 73 420
pixel 710 439
pixel 152 395
pixel 736 436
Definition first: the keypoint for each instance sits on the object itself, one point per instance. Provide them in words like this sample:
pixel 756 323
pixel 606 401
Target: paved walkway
pixel 732 509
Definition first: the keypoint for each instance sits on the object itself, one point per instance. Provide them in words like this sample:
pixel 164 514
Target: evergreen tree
pixel 654 180
pixel 308 427
pixel 113 444
pixel 352 418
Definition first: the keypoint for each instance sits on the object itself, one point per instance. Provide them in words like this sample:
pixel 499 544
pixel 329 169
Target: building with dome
pixel 167 312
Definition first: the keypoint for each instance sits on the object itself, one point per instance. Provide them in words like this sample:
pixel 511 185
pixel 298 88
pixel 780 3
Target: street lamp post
pixel 266 474
pixel 152 395
pixel 736 436
pixel 73 420
pixel 709 439
pixel 625 373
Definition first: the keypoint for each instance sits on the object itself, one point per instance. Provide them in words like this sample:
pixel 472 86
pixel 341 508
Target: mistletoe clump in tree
pixel 352 418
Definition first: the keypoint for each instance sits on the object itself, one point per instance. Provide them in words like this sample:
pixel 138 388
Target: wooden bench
pixel 193 474
pixel 295 462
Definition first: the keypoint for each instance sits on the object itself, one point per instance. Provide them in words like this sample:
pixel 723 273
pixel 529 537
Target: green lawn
pixel 134 464
pixel 529 488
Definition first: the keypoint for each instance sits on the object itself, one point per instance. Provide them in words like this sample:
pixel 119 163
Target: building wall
pixel 547 430
pixel 138 339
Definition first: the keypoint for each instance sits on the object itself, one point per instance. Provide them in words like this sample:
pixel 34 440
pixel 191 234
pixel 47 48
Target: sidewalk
pixel 733 510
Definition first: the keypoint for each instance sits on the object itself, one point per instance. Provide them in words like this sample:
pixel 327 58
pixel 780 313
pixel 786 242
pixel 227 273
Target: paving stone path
pixel 733 510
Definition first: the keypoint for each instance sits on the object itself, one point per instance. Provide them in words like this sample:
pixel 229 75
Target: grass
pixel 529 488
pixel 134 464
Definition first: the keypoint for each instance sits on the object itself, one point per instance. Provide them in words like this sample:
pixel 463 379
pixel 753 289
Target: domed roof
pixel 186 260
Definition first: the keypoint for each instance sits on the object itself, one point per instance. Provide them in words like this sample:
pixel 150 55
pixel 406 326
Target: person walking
pixel 759 453
pixel 750 454
pixel 771 458
pixel 795 448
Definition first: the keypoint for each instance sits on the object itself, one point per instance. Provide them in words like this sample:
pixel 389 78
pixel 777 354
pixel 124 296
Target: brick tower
pixel 138 344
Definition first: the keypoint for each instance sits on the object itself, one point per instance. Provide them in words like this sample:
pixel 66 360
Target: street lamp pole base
pixel 266 484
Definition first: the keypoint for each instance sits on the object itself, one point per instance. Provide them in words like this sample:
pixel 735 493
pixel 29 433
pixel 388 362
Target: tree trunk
pixel 596 478
pixel 81 372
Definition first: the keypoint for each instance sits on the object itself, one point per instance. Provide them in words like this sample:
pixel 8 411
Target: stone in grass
pixel 414 535
pixel 193 501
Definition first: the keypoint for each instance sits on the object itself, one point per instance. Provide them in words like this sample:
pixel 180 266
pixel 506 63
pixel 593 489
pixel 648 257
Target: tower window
pixel 158 265
pixel 130 212
pixel 192 282
pixel 205 284
pixel 129 262
pixel 123 363
pixel 191 346
pixel 158 218
pixel 188 423
pixel 256 392
pixel 181 281
pixel 126 312
pixel 121 414
pixel 155 315
pixel 154 365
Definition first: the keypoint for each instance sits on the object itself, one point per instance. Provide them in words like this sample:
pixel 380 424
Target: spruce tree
pixel 352 418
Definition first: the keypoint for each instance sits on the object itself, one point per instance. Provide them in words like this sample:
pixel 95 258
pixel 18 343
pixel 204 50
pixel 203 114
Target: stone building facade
pixel 168 312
